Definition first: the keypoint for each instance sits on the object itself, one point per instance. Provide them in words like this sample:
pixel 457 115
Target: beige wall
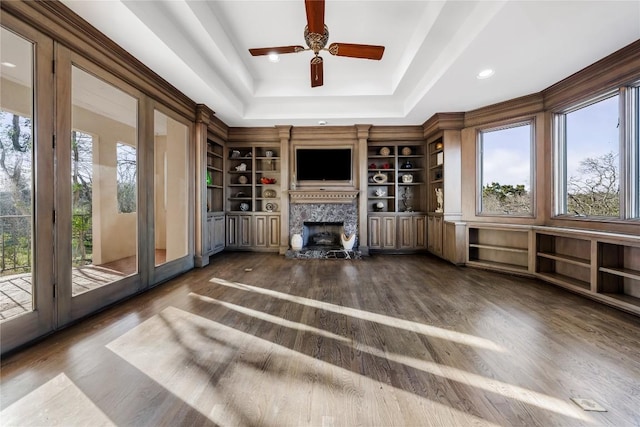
pixel 177 210
pixel 16 98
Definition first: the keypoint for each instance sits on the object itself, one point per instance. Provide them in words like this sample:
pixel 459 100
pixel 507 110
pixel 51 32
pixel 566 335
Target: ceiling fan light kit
pixel 316 36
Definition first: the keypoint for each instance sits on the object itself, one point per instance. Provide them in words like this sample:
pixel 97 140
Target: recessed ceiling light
pixel 273 57
pixel 8 64
pixel 322 122
pixel 485 74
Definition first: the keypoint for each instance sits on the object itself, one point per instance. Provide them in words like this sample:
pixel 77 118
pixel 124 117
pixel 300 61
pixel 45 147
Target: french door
pixel 98 217
pixel 69 213
pixel 27 308
pixel 96 187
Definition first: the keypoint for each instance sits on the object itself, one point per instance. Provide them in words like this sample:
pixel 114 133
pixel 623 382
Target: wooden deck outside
pixel 16 296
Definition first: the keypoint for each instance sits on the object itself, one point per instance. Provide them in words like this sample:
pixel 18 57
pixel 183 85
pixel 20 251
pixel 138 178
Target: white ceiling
pixel 434 49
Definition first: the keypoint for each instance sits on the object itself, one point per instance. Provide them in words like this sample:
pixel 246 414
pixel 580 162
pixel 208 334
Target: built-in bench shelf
pixel 503 248
pixel 564 260
pixel 618 275
pixel 600 265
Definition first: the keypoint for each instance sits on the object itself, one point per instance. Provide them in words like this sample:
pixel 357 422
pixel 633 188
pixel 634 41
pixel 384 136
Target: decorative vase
pixel 296 242
pixel 347 242
pixel 379 178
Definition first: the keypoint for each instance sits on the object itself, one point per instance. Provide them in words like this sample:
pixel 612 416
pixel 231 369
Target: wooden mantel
pixel 323 196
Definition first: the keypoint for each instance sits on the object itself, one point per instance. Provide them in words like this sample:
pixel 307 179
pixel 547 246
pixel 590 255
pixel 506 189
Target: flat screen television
pixel 323 164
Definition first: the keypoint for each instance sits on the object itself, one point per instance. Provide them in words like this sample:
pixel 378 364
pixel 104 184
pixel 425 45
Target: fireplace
pixel 321 235
pixel 320 225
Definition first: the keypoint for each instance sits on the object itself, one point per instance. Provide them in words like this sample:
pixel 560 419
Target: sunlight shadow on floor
pixel 506 390
pixel 236 378
pixel 57 402
pixel 408 325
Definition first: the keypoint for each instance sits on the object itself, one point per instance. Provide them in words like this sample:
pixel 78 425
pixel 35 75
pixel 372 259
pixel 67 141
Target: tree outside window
pixel 16 148
pixel 126 175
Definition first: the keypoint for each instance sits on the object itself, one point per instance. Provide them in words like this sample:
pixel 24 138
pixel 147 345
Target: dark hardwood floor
pixel 260 340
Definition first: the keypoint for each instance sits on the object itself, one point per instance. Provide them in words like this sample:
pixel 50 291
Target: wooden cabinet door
pixel 218 233
pixel 405 232
pixel 388 232
pixel 274 231
pixel 233 224
pixel 434 234
pixel 437 235
pixel 261 231
pixel 208 236
pixel 245 231
pixel 420 231
pixel 375 228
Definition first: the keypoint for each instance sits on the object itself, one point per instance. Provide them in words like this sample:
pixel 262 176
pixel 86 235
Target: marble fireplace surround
pixel 323 206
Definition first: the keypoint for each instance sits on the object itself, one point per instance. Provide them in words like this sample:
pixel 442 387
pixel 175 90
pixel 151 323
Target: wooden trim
pixel 442 121
pixel 323 196
pixel 618 69
pixel 203 114
pixel 524 106
pixel 63 25
pixel 396 133
pixel 253 134
pixel 316 133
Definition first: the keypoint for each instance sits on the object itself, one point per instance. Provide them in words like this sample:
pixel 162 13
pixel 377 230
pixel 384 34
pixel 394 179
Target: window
pixel 596 168
pixel 632 154
pixel 126 172
pixel 505 166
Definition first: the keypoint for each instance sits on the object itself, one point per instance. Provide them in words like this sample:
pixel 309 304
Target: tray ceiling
pixel 434 50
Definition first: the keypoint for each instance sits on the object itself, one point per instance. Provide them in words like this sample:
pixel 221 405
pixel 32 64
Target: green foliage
pixel 505 199
pixel 126 197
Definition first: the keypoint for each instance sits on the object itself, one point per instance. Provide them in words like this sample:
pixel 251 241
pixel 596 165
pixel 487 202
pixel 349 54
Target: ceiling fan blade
pixel 365 51
pixel 316 71
pixel 315 15
pixel 278 50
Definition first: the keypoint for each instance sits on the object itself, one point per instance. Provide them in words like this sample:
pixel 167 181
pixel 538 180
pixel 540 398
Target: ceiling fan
pixel 316 35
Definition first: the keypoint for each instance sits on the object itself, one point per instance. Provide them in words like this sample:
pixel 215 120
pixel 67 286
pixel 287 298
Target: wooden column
pixel 361 162
pixel 203 118
pixel 284 133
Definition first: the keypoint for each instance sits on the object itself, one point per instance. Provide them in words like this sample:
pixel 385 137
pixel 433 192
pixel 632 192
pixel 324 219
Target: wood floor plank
pixel 260 340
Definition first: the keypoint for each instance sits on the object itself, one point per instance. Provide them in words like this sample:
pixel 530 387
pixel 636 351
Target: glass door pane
pixel 171 188
pixel 104 182
pixel 16 176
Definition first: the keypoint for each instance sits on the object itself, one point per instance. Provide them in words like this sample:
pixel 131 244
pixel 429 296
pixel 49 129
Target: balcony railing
pixel 15 251
pixel 15 239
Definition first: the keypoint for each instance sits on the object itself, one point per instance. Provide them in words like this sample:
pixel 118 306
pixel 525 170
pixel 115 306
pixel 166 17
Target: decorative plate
pixel 270 207
pixel 385 151
pixel 406 151
pixel 269 194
